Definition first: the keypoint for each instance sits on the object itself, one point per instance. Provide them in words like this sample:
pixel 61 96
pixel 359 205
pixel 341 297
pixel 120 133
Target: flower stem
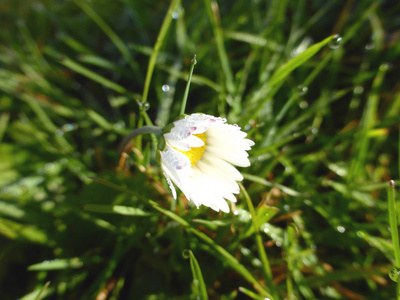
pixel 185 96
pixel 126 144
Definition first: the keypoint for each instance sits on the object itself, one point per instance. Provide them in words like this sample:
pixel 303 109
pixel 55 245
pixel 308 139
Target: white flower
pixel 199 154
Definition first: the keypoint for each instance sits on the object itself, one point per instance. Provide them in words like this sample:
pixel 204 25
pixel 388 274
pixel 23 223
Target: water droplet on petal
pixel 165 88
pixel 336 42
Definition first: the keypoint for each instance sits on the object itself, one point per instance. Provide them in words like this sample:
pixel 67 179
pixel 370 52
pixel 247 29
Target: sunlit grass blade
pixel 262 181
pixel 16 231
pixel 116 209
pixel 59 264
pixel 297 61
pixel 40 293
pixel 198 281
pixel 383 245
pixel 367 123
pixel 78 68
pixel 185 96
pixel 251 294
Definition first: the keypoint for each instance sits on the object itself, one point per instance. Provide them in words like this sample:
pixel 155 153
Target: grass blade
pixel 198 281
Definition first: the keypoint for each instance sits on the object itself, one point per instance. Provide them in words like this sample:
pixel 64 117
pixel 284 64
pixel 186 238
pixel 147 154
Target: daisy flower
pixel 199 155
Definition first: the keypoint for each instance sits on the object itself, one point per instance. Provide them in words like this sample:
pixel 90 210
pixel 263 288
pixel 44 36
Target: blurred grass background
pixel 323 109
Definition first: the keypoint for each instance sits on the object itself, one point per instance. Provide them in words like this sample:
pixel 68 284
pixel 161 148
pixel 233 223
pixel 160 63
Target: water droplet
pixel 186 253
pixel 247 127
pixel 68 127
pixel 278 244
pixel 341 229
pixel 165 88
pixel 286 207
pixel 336 42
pixel 59 132
pixel 244 216
pixel 302 90
pixel 144 106
pixel 119 125
pixel 384 67
pixel 341 172
pixel 394 274
pixel 48 166
pixel 272 131
pixel 314 130
pixel 303 104
pixel 369 46
pixel 245 251
pixel 256 262
pixel 194 60
pixel 265 228
pixel 175 15
pixel 358 90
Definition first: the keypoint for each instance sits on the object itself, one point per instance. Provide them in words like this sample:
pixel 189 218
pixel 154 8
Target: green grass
pixel 313 83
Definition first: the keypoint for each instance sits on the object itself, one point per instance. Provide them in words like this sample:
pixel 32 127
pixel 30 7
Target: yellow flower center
pixel 195 153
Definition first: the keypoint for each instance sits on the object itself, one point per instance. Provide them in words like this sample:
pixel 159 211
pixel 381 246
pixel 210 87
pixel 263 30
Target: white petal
pixel 224 166
pixel 182 145
pixel 238 158
pixel 171 186
pixel 194 141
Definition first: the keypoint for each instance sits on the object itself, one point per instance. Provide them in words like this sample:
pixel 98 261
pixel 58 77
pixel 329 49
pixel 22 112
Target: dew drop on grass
pixel 358 90
pixel 175 15
pixel 341 229
pixel 245 251
pixel 59 132
pixel 303 104
pixel 394 274
pixel 69 127
pixel 336 42
pixel 165 88
pixel 145 106
pixel 302 90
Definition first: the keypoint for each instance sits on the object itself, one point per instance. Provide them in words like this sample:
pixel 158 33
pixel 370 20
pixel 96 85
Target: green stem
pixel 127 141
pixel 185 96
pixel 259 242
pixel 393 222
